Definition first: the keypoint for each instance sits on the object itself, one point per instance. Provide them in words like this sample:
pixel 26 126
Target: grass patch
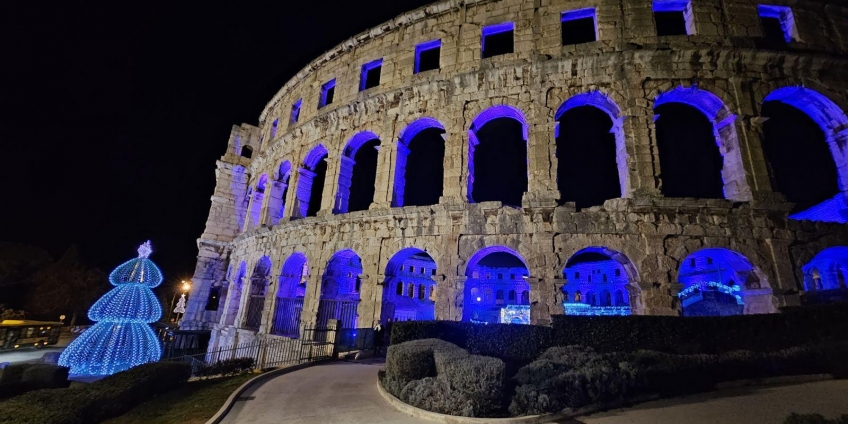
pixel 194 403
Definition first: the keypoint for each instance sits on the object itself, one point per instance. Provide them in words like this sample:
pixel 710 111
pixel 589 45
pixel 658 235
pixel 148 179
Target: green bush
pixel 574 376
pixel 95 402
pixel 414 360
pixel 439 376
pixel 520 344
pixel 21 378
pixel 814 419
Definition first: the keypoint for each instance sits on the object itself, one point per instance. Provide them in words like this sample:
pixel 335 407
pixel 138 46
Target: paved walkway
pixel 340 392
pixel 345 392
pixel 744 405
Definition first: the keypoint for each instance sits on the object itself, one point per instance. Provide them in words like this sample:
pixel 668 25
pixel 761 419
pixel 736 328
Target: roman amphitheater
pixel 510 160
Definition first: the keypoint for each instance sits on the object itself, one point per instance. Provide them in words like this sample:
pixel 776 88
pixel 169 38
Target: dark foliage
pixel 226 367
pixel 22 378
pixel 797 326
pixel 95 402
pixel 814 419
pixel 576 376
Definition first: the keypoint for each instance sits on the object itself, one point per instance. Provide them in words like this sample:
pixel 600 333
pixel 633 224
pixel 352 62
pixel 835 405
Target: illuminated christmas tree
pixel 121 338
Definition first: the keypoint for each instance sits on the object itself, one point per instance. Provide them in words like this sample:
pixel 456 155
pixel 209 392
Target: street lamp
pixel 186 286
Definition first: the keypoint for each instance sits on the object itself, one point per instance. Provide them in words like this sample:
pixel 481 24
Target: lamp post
pixel 186 286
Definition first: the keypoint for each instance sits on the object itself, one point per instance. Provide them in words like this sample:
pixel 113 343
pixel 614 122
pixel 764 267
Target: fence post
pixel 333 336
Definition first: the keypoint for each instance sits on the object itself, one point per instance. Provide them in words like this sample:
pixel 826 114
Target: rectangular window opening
pixel 295 111
pixel 498 39
pixel 579 26
pixel 370 76
pixel 778 23
pixel 328 90
pixel 274 128
pixel 427 56
pixel 674 17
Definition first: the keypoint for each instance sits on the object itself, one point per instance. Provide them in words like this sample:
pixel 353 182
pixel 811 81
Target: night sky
pixel 112 115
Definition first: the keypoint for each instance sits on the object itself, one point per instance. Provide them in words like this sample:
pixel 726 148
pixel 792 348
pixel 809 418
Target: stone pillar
pixel 267 321
pixel 211 268
pixel 303 193
pixel 541 182
pixel 383 181
pixel 454 166
pixel 342 195
pixel 274 203
pixel 643 157
pixel 449 298
pixel 540 311
pixel 331 186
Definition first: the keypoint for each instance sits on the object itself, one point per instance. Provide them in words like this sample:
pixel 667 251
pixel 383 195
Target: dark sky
pixel 112 115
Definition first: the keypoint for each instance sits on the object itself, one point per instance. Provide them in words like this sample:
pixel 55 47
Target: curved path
pixel 345 392
pixel 339 392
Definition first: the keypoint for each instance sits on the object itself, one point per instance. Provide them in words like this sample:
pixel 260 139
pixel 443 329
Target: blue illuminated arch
pixel 306 177
pixel 257 196
pixel 346 168
pixel 475 259
pixel 484 117
pixel 834 123
pixel 288 302
pixel 406 137
pixel 482 281
pixel 614 279
pixel 832 267
pixel 277 194
pixel 339 289
pixel 719 281
pixel 234 296
pixel 733 172
pixel 603 102
pixel 401 305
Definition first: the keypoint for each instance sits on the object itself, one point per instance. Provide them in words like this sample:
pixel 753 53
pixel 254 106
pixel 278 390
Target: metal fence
pixel 255 306
pixel 353 339
pixel 317 344
pixel 342 310
pixel 287 317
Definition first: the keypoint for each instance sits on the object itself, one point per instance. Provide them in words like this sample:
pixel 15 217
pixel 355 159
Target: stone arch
pixel 613 273
pixel 486 116
pixel 414 266
pixel 339 295
pixel 278 192
pixel 489 269
pixel 310 186
pixel 833 122
pixel 734 182
pixel 831 264
pixel 256 294
pixel 290 293
pixel 600 101
pixel 404 149
pixel 355 181
pixel 719 281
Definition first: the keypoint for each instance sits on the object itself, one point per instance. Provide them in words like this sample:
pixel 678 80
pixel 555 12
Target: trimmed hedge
pixel 226 367
pixel 520 344
pixel 95 402
pixel 576 376
pixel 22 378
pixel 439 376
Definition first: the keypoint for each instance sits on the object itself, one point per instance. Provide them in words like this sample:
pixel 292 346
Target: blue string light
pixel 122 338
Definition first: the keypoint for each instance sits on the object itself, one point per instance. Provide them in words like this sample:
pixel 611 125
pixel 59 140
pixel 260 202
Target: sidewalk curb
pixel 259 379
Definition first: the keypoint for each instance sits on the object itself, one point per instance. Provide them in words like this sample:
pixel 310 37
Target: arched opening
pixel 607 278
pixel 231 305
pixel 339 295
pixel 590 151
pixel 802 139
pixel 497 156
pixel 290 293
pixel 310 188
pixel 416 268
pixel 246 152
pixel 698 147
pixel 256 198
pixel 496 268
pixel 256 299
pixel 710 279
pixel 826 272
pixel 358 173
pixel 419 170
pixel 279 190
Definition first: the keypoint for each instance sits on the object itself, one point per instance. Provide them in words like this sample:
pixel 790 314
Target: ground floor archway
pixel 599 281
pixel 409 291
pixel 718 282
pixel 496 288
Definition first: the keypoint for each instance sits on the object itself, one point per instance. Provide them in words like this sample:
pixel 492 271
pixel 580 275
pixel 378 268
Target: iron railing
pixel 342 310
pixel 255 305
pixel 353 339
pixel 287 317
pixel 317 344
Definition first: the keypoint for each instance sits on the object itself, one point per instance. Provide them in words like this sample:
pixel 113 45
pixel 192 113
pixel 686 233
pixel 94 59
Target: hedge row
pixel 21 378
pixel 95 402
pixel 439 376
pixel 522 343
